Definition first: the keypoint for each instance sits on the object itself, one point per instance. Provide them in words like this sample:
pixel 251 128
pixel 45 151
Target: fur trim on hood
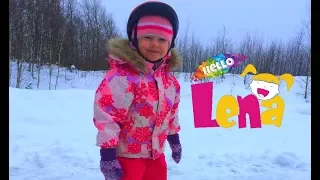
pixel 121 49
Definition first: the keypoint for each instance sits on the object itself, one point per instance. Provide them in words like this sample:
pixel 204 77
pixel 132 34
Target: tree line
pixel 73 32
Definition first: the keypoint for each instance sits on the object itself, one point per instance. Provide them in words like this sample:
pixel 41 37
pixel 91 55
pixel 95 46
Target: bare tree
pixel 307 47
pixel 35 35
pixel 252 47
pixel 223 43
pixel 13 5
pixel 65 33
pixel 21 33
pixel 62 39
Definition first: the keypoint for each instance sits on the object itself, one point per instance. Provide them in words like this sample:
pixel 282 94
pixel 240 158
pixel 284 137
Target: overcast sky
pixel 279 19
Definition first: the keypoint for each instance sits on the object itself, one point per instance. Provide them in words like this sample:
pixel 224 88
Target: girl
pixel 136 104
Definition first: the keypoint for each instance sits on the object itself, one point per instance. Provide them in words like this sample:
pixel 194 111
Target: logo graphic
pixel 217 66
pixel 265 86
pixel 265 93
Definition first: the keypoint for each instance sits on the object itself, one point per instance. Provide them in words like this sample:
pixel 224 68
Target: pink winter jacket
pixel 136 108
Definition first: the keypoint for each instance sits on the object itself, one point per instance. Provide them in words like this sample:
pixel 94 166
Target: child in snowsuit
pixel 136 104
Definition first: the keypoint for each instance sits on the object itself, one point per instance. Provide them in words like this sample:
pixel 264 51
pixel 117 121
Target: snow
pixel 52 135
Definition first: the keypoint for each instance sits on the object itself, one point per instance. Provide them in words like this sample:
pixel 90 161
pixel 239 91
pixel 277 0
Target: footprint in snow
pixel 286 159
pixel 14 171
pixel 202 156
pixel 174 170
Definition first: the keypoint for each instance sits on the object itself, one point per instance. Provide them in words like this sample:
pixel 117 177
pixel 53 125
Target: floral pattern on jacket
pixel 135 107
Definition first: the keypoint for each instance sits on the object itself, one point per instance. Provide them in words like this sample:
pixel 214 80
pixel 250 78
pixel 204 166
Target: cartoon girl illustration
pixel 265 86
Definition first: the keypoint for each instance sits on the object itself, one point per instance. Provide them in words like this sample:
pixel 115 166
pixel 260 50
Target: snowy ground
pixel 52 135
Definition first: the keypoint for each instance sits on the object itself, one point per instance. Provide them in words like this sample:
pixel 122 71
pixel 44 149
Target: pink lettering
pixel 250 105
pixel 202 105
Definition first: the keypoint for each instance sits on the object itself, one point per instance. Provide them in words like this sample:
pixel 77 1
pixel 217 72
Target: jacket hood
pixel 121 52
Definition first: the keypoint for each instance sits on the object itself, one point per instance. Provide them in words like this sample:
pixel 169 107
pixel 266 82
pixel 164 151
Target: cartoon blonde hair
pixel 268 77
